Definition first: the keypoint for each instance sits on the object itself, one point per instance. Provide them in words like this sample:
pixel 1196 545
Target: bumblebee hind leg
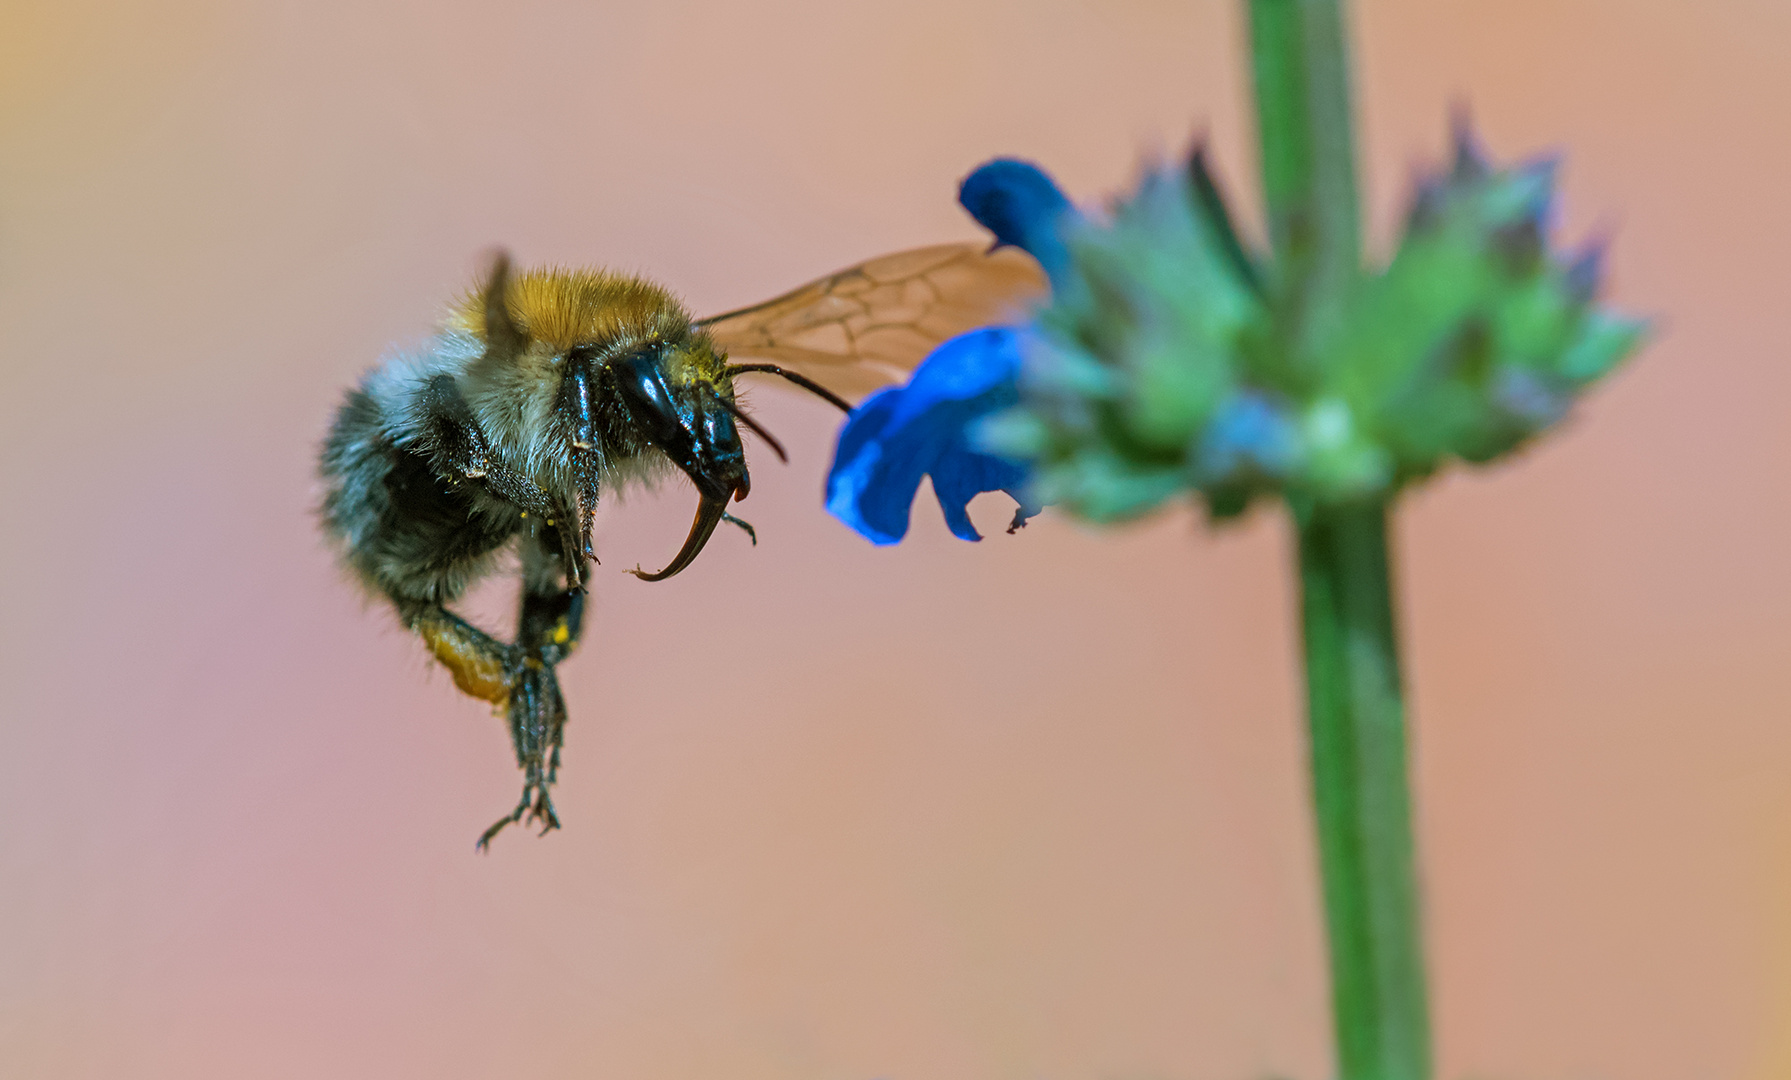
pixel 481 665
pixel 551 620
pixel 520 679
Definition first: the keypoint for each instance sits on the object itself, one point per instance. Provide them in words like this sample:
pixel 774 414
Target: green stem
pixel 1359 771
pixel 1354 708
pixel 1308 158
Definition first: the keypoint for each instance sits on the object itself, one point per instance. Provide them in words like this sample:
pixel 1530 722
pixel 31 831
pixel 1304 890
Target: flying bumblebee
pixel 545 388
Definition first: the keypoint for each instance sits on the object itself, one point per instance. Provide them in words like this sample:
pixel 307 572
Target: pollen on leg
pixel 476 671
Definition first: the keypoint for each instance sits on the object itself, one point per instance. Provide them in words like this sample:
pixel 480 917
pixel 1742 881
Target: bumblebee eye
pixel 640 383
pixel 661 418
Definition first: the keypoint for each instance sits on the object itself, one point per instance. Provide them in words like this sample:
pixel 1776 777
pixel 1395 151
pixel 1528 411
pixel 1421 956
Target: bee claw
pixel 483 845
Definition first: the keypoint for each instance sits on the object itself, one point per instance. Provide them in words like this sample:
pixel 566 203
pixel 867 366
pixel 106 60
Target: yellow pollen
pixel 561 634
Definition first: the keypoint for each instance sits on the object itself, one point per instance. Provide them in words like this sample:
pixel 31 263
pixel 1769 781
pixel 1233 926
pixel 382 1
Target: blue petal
pixel 1023 207
pixel 903 433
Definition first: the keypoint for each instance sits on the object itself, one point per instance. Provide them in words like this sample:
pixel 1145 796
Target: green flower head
pixel 1156 367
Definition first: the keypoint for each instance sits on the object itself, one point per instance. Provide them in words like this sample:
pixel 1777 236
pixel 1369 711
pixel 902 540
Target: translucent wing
pixel 868 326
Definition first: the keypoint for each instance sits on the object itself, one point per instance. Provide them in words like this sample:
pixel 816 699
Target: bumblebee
pixel 543 389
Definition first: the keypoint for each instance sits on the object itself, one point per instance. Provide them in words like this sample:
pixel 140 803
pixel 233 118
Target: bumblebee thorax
pixel 559 310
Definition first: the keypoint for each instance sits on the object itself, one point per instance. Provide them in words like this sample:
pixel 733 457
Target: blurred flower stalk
pixel 1172 359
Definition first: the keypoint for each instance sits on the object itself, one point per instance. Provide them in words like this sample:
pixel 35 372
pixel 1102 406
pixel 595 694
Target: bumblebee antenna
pixel 502 335
pixel 757 428
pixel 803 381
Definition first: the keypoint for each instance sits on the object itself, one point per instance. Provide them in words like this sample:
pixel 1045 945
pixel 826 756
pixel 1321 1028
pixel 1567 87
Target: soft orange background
pixel 1028 808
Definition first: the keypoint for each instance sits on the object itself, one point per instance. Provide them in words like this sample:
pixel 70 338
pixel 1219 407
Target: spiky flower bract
pixel 1156 368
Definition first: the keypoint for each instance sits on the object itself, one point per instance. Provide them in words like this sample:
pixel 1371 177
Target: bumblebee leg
pixel 548 628
pixel 537 716
pixel 459 450
pixel 520 679
pixel 751 533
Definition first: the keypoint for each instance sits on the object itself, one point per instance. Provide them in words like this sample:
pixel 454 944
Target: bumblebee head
pixel 685 415
pixel 680 400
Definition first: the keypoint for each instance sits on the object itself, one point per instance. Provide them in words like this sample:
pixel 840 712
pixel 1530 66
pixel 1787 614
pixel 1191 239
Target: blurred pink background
pixel 1028 808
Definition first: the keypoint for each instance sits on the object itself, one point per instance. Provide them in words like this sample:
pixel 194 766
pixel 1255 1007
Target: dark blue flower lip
pixel 1023 207
pixel 924 428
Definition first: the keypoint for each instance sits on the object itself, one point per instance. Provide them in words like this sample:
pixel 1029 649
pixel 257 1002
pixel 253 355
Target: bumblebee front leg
pixel 548 628
pixel 459 450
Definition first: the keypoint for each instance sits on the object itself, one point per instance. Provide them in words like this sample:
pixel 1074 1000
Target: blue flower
pixel 925 427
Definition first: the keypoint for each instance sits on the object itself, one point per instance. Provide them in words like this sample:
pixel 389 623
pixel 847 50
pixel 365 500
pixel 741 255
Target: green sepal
pixel 1604 340
pixel 1103 486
